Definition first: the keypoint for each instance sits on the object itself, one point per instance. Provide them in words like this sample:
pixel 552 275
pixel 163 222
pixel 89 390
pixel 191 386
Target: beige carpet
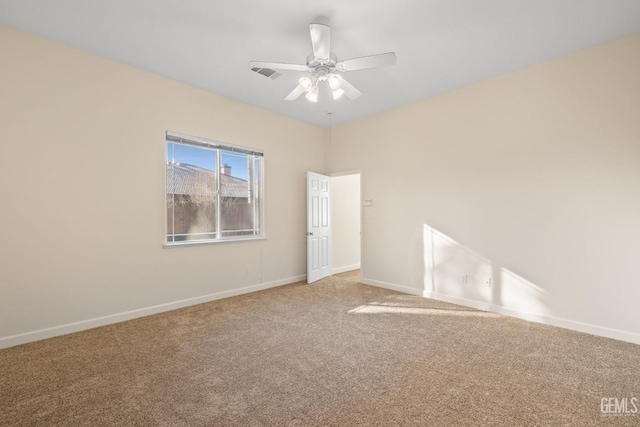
pixel 333 353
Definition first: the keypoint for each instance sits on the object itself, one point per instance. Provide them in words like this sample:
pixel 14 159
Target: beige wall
pixel 82 184
pixel 531 178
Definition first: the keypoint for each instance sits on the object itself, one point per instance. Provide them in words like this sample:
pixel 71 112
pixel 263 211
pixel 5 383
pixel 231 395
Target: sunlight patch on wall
pixel 519 293
pixel 456 271
pixel 447 261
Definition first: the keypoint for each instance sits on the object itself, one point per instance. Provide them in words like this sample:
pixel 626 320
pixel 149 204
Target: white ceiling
pixel 440 44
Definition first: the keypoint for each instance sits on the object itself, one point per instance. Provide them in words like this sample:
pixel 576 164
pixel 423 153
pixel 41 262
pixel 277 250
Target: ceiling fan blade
pixel 373 61
pixel 278 66
pixel 320 40
pixel 295 93
pixel 350 90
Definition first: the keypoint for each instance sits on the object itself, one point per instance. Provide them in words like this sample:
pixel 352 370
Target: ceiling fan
pixel 323 66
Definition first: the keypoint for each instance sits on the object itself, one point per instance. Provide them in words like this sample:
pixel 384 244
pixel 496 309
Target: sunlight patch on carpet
pixel 394 309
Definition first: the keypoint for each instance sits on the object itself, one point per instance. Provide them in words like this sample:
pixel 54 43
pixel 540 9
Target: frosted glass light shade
pixel 312 94
pixel 335 81
pixel 337 93
pixel 305 83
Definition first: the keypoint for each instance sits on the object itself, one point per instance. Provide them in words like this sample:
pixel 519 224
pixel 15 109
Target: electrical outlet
pixel 463 278
pixel 487 282
pixel 247 269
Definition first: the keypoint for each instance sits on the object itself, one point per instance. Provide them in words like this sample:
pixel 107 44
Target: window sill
pixel 211 242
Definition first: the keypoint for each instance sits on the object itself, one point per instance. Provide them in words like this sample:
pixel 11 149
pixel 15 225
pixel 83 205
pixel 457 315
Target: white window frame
pixel 180 138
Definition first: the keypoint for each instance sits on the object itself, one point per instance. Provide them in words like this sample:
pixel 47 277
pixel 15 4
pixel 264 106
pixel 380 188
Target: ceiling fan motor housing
pixel 319 69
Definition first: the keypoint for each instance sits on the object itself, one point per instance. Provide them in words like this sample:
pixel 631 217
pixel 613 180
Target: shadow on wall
pixel 457 273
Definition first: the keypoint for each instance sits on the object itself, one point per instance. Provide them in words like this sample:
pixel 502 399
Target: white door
pixel 318 227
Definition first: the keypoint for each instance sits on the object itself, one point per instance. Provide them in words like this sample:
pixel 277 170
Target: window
pixel 214 191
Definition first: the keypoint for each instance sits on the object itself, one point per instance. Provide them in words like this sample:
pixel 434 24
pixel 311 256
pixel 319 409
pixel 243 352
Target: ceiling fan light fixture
pixel 306 83
pixel 312 94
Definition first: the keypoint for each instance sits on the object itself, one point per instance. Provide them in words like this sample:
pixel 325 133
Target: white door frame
pixel 361 201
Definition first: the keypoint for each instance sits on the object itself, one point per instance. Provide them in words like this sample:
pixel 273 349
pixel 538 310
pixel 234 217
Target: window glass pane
pixel 170 201
pixel 257 194
pixel 236 194
pixel 191 198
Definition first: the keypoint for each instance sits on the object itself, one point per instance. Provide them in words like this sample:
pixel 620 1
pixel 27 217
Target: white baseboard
pixel 344 269
pixel 13 340
pixel 573 325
